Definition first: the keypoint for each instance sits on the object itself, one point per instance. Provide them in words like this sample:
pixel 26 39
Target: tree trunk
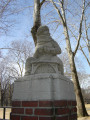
pixel 37 20
pixel 81 110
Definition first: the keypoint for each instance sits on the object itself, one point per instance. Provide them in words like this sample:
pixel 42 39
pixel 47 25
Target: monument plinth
pixel 44 93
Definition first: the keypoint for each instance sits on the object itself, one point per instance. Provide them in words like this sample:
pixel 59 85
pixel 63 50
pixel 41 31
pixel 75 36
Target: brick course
pixel 29 103
pixel 29 118
pixel 60 103
pixel 45 103
pixel 18 110
pixel 44 110
pixel 29 111
pixel 16 103
pixel 15 117
pixel 46 118
pixel 61 111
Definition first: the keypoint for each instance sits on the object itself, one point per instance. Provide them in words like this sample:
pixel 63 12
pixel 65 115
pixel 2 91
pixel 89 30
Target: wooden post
pixel 4 109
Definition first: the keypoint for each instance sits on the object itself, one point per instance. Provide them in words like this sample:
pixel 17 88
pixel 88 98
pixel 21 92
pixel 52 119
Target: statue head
pixel 43 30
pixel 43 34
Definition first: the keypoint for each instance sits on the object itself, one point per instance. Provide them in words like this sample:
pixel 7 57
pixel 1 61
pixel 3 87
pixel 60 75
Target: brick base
pixel 44 110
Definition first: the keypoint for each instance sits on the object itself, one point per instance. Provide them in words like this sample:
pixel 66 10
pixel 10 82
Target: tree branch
pixel 10 49
pixel 4 7
pixel 85 55
pixel 42 3
pixel 80 28
pixel 60 15
pixel 86 29
pixel 86 32
pixel 81 48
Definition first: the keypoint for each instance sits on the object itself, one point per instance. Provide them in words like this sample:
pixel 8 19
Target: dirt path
pixel 84 118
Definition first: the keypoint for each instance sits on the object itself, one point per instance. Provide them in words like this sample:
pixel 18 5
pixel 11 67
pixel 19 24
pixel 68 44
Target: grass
pixel 8 110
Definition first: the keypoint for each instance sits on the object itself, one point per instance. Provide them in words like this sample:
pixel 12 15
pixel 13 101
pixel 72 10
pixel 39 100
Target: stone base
pixel 43 97
pixel 44 110
pixel 43 87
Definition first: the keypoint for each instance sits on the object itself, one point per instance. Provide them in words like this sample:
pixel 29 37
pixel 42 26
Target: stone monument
pixel 44 93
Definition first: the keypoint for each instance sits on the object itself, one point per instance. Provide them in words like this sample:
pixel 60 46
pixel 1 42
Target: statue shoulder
pixel 56 45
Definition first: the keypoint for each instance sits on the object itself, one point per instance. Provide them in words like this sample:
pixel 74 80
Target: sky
pixel 24 22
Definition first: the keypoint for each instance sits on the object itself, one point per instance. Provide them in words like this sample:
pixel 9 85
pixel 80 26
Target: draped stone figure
pixel 46 52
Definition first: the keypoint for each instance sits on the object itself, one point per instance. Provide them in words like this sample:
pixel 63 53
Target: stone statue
pixel 45 57
pixel 45 44
pixel 43 81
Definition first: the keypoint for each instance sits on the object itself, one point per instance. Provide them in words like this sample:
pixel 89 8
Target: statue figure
pixel 45 44
pixel 45 50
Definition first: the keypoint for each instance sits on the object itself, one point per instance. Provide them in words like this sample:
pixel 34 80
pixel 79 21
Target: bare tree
pixel 7 8
pixel 12 66
pixel 4 79
pixel 60 8
pixel 19 52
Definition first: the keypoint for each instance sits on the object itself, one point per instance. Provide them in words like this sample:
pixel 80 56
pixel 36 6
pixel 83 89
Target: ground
pixel 9 110
pixel 88 110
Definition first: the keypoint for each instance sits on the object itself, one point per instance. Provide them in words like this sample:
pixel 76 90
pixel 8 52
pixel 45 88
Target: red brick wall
pixel 44 110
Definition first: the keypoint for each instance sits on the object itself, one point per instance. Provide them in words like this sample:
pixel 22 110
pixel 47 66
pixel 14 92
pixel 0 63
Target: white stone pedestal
pixel 43 87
